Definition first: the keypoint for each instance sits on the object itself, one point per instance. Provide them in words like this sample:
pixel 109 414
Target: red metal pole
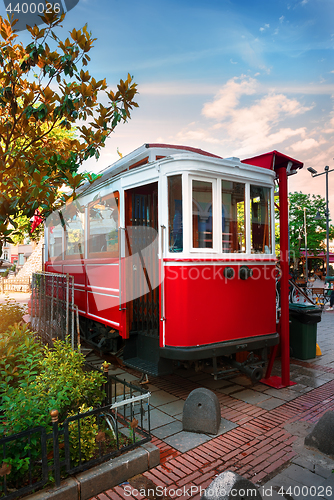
pixel 284 251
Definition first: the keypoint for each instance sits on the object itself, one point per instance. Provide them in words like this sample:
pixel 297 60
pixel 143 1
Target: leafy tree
pixel 316 229
pixel 44 91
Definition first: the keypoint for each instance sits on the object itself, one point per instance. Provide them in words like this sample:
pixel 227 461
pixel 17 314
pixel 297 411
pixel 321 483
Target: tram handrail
pixel 120 268
pixel 162 304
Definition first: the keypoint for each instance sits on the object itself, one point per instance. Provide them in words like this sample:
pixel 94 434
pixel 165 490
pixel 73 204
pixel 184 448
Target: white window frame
pixel 215 245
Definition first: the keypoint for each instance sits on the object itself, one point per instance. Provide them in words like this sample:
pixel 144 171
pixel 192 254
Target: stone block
pixel 68 490
pixel 109 474
pixel 229 486
pixel 322 435
pixel 201 412
pixel 153 455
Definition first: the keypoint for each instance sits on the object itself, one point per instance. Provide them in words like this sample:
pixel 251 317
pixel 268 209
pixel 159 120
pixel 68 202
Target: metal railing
pixel 53 312
pixel 81 441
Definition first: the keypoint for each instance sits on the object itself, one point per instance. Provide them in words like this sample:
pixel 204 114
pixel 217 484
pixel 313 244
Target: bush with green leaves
pixel 83 442
pixel 20 356
pixel 55 379
pixel 10 313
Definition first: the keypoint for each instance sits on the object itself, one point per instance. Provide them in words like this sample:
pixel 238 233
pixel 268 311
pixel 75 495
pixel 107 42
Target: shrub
pixel 10 313
pixel 88 433
pixel 56 381
pixel 65 383
pixel 20 357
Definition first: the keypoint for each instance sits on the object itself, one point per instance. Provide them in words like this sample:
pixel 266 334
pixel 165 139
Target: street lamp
pixel 314 173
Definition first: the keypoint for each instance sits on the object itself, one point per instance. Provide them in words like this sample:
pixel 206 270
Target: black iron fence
pixel 31 459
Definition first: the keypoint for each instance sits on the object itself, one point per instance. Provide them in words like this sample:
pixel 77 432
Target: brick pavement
pixel 262 438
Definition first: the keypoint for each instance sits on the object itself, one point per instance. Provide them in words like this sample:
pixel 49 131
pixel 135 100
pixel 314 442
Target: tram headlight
pixel 245 272
pixel 229 273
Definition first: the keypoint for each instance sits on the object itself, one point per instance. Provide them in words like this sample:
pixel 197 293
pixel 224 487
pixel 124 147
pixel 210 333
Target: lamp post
pixel 306 263
pixel 314 173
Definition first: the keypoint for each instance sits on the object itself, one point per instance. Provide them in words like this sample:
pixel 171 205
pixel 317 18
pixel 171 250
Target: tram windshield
pixel 175 216
pixel 202 214
pixel 260 219
pixel 233 217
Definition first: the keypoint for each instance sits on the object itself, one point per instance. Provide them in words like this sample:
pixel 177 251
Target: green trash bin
pixel 303 330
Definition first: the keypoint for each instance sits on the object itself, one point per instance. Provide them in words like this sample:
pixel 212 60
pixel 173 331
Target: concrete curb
pixel 102 477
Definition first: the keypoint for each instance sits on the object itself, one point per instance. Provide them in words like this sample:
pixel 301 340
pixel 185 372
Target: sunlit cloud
pixel 249 121
pixel 306 144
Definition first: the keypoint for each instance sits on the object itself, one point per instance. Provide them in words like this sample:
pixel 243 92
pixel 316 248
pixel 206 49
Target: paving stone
pixel 185 441
pixel 231 389
pixel 157 419
pixel 173 408
pixel 150 387
pixel 311 382
pixel 270 404
pixel 303 476
pixel 168 430
pixel 241 380
pixel 284 393
pixel 215 384
pixel 159 398
pixel 250 396
pixel 225 426
pixel 328 485
pixel 200 376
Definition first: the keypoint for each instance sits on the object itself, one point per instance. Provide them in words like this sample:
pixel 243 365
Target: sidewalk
pixel 261 435
pixel 20 297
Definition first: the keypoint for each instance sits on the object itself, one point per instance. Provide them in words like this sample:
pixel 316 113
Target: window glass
pixel 233 217
pixel 73 219
pixel 103 226
pixel 202 214
pixel 260 219
pixel 55 230
pixel 175 220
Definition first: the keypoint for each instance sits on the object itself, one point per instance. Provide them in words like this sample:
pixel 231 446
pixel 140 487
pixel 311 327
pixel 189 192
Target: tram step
pixel 145 366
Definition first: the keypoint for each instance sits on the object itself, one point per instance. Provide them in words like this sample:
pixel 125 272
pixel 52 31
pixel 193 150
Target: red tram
pixel 172 251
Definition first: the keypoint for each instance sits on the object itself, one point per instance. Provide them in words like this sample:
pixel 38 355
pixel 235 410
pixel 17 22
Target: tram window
pixel 55 232
pixel 73 219
pixel 175 220
pixel 202 214
pixel 103 226
pixel 233 217
pixel 260 219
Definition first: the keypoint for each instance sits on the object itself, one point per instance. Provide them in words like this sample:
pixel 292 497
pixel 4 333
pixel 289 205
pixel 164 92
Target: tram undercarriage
pixel 142 352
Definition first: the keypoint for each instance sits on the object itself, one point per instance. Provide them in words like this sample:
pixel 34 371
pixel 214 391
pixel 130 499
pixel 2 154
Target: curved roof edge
pixel 183 148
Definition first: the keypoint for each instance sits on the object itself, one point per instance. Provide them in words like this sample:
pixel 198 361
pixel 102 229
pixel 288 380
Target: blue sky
pixel 234 77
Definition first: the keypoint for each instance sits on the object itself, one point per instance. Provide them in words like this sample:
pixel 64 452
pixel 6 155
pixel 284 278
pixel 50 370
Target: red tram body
pixel 173 256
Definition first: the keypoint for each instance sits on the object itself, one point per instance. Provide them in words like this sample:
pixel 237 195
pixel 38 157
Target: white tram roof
pixel 149 153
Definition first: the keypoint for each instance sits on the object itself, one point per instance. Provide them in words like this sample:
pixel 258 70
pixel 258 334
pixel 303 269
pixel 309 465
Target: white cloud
pixel 257 124
pixel 306 144
pixel 228 97
pixel 281 19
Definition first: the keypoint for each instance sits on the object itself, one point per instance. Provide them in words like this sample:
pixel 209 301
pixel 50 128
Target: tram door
pixel 142 264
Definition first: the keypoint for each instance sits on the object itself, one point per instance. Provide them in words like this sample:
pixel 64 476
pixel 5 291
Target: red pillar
pixel 284 328
pixel 284 254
